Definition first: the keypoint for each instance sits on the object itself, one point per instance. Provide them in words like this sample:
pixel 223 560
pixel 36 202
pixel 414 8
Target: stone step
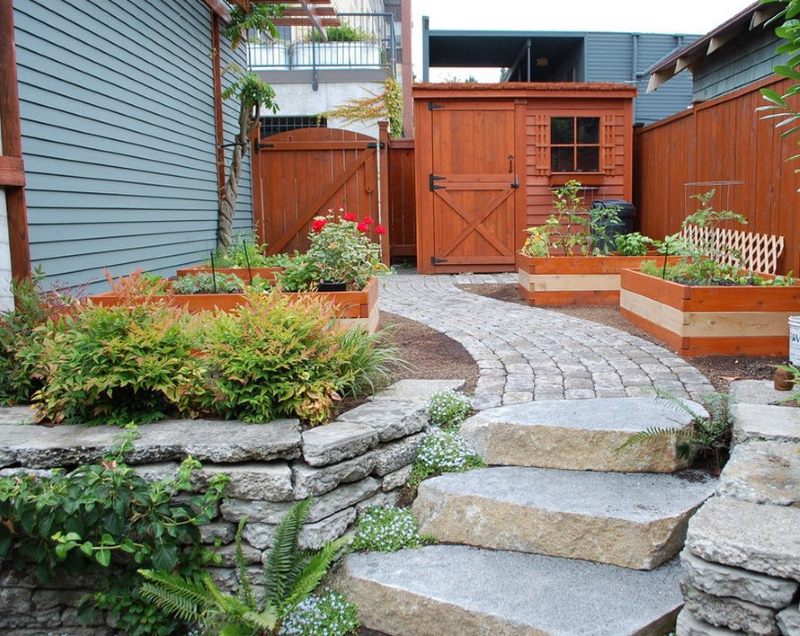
pixel 579 434
pixel 632 520
pixel 448 590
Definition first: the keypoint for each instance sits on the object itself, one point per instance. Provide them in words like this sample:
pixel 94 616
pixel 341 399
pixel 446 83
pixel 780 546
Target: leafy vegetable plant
pixel 208 283
pixel 632 244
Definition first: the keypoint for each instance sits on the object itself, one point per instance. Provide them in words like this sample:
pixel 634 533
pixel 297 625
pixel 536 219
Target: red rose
pixel 318 224
pixel 367 220
pixel 362 227
pixel 379 229
pixel 349 216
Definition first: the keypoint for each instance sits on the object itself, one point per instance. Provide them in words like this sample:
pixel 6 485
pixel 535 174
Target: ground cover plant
pixel 290 575
pixel 328 613
pixel 442 452
pixel 387 529
pixel 448 409
pixel 104 521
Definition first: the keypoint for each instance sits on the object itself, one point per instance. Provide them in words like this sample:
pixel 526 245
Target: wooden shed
pixel 489 155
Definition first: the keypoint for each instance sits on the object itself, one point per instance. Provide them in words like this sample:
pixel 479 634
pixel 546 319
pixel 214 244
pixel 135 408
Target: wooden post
pixel 12 146
pixel 385 141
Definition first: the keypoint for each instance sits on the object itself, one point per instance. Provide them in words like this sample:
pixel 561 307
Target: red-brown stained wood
pixel 486 139
pixel 583 264
pixel 719 140
pixel 402 205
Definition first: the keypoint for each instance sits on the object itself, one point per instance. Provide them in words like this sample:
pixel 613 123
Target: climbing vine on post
pixel 388 104
pixel 253 94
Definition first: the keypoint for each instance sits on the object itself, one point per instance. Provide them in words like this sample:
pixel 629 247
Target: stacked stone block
pixel 741 562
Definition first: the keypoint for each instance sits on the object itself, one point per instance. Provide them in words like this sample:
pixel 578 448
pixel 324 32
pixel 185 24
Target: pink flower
pixel 348 216
pixel 379 229
pixel 319 223
pixel 362 227
pixel 367 220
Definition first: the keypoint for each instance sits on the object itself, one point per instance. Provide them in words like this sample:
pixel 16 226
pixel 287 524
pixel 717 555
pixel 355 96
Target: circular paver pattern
pixel 528 353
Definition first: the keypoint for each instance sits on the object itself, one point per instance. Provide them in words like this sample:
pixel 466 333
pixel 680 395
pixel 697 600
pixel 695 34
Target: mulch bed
pixel 428 354
pixel 720 370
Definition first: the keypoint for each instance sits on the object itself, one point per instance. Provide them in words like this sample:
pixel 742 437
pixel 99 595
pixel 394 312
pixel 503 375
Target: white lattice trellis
pixel 754 252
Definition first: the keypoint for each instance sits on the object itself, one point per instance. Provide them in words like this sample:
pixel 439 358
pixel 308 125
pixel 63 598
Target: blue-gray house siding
pixel 749 58
pixel 117 112
pixel 624 57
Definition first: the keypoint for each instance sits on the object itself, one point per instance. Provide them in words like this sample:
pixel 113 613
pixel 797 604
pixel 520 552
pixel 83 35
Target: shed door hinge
pixel 437 261
pixel 432 179
pixel 435 106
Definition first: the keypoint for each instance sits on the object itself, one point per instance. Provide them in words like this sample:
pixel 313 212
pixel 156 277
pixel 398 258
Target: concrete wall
pixel 117 110
pixel 302 100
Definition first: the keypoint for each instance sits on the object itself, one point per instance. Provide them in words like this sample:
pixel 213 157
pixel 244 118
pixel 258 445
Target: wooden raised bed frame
pixel 556 281
pixel 351 307
pixel 698 321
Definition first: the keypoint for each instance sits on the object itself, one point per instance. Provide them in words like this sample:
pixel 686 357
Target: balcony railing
pixel 364 41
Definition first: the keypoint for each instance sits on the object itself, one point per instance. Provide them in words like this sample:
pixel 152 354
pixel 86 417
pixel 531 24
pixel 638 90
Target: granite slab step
pixel 449 590
pixel 632 520
pixel 579 434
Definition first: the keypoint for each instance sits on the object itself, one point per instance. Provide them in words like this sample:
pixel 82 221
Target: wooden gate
pixel 303 173
pixel 470 220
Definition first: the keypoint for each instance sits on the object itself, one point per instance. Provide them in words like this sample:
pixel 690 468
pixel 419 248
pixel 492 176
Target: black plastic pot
pixel 328 286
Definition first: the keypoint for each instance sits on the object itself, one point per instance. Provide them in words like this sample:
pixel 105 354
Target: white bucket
pixel 794 340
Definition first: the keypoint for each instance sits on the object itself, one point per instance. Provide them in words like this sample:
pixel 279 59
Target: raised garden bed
pixel 705 320
pixel 574 280
pixel 351 307
pixel 245 274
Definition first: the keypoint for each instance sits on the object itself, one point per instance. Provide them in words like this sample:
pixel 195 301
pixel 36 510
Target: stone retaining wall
pixel 362 459
pixel 742 556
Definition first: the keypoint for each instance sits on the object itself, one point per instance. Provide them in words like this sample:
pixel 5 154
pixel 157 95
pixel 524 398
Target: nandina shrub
pixel 115 365
pixel 281 357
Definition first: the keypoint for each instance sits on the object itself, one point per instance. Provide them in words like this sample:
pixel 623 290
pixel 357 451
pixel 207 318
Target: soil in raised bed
pixel 720 370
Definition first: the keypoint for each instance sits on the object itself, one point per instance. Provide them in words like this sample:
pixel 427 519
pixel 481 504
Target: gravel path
pixel 528 353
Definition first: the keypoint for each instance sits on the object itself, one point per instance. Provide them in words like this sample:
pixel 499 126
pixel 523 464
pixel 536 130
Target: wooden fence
pixel 402 201
pixel 722 140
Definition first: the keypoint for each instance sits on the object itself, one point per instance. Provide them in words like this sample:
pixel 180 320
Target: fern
pixel 706 439
pixel 290 575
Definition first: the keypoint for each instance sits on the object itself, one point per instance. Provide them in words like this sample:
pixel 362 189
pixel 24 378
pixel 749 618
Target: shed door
pixel 473 182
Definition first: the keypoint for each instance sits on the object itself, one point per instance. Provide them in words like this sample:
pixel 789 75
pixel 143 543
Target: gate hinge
pixel 437 261
pixel 377 144
pixel 432 179
pixel 515 185
pixel 435 106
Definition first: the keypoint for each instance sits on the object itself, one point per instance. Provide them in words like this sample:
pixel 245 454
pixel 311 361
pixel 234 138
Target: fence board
pixel 723 139
pixel 402 200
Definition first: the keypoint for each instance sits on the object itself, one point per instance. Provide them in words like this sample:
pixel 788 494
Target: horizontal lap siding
pixel 701 146
pixel 118 135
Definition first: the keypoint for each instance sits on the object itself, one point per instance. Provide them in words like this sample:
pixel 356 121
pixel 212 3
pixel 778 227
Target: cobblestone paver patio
pixel 528 353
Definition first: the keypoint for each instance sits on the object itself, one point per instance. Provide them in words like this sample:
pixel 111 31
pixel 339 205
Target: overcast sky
pixel 644 16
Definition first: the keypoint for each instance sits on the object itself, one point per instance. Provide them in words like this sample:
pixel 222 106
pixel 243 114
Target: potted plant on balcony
pixel 707 302
pixel 574 258
pixel 346 46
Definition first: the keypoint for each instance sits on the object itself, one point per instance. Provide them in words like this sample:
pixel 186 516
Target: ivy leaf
pixel 165 557
pixel 103 557
pixel 87 548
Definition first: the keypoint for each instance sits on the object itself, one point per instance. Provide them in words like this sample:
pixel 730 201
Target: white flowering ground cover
pixel 448 409
pixel 387 529
pixel 442 452
pixel 325 614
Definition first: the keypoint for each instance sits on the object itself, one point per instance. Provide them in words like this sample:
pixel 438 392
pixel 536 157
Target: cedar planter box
pixel 351 307
pixel 267 273
pixel 697 321
pixel 575 280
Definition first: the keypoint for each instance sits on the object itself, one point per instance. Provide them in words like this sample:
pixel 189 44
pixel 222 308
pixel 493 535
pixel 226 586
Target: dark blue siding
pixel 118 135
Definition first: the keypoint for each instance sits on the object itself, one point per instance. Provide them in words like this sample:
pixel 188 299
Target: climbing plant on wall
pixel 388 104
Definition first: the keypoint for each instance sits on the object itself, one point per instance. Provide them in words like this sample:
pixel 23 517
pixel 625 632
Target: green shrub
pixel 328 613
pixel 633 244
pixel 114 365
pixel 105 521
pixel 387 529
pixel 277 357
pixel 208 283
pixel 442 452
pixel 448 409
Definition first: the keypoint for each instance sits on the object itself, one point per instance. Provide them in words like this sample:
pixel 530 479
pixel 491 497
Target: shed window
pixel 575 144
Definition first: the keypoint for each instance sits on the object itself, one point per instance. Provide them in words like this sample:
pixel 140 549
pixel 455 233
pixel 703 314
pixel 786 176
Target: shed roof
pixel 524 89
pixel 748 19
